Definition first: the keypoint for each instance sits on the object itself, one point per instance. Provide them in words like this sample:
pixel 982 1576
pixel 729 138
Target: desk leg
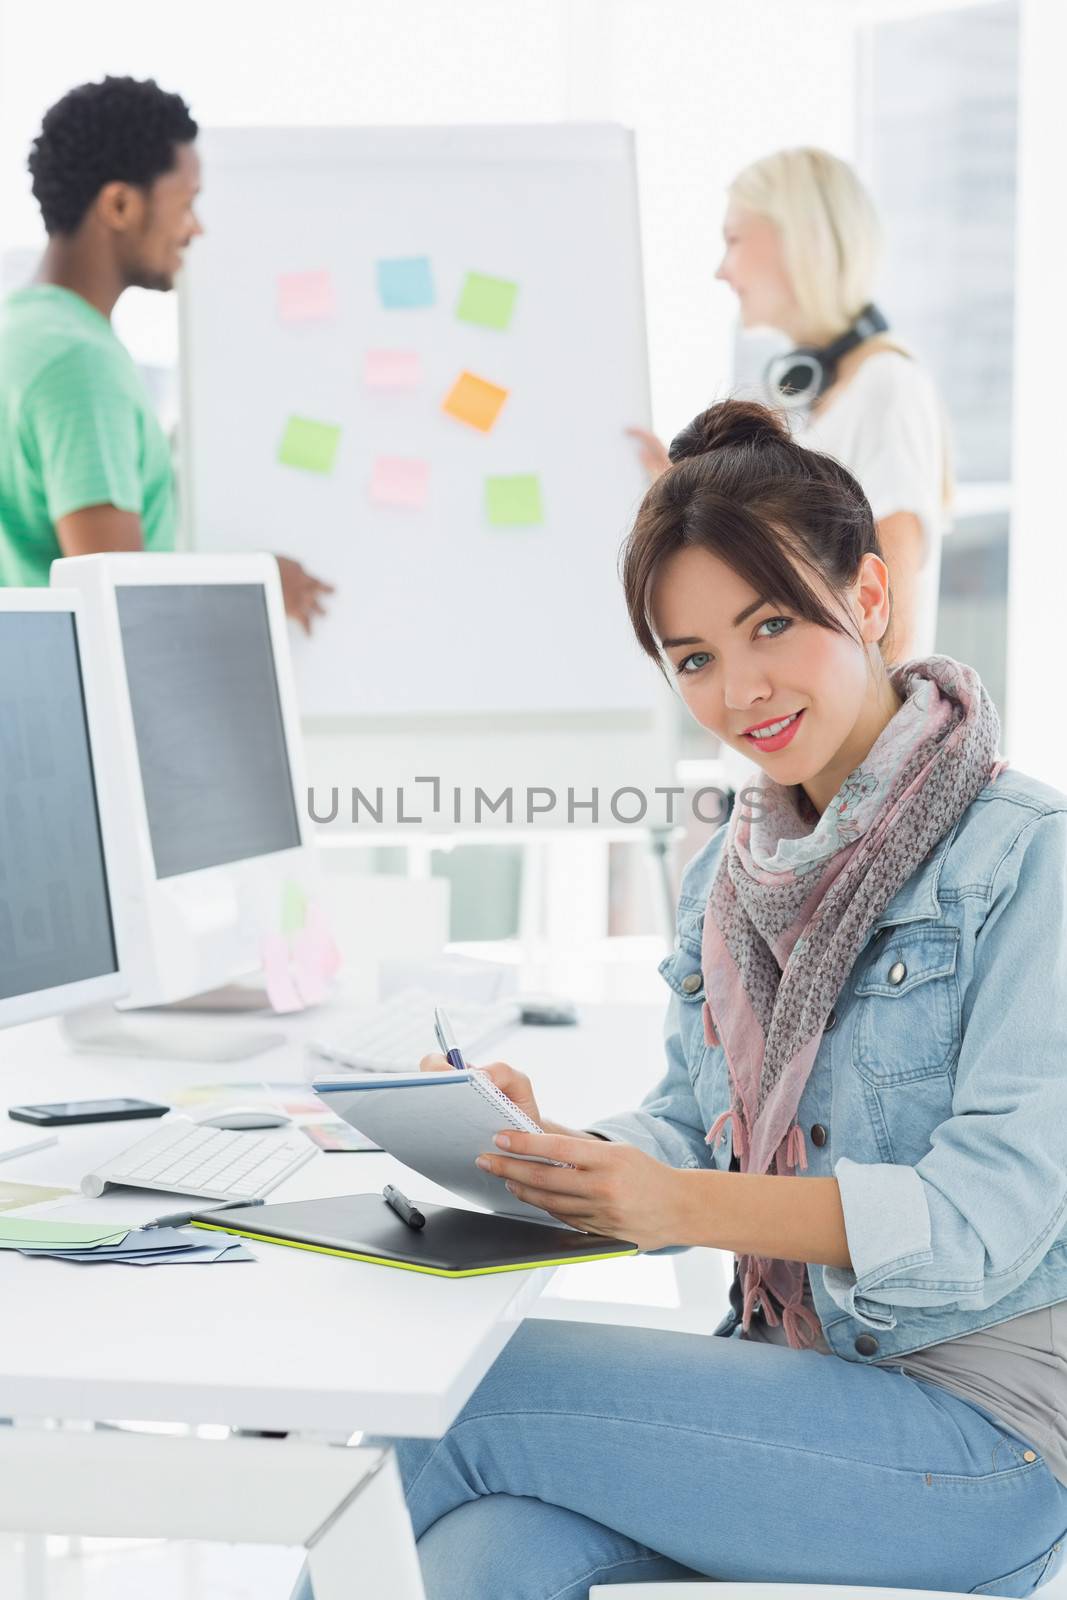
pixel 365 1548
pixel 345 1506
pixel 35 1567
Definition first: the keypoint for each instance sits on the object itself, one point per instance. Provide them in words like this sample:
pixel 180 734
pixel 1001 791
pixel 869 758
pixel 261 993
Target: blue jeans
pixel 597 1454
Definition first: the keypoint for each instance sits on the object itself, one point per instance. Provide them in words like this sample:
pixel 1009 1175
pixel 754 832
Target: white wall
pixel 708 85
pixel 1038 558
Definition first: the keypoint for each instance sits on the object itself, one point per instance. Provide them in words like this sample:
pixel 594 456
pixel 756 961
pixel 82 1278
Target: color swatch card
pixel 514 501
pixel 475 401
pixel 392 369
pixel 306 297
pixel 487 302
pixel 405 283
pixel 400 481
pixel 309 445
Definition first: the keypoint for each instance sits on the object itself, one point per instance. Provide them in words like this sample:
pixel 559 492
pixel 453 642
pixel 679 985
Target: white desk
pixel 293 1341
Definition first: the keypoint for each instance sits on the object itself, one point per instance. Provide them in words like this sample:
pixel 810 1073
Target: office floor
pixel 113 1569
pixel 129 1569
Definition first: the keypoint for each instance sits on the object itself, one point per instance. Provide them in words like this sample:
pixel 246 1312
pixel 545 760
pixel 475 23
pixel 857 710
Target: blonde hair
pixel 829 227
pixel 831 241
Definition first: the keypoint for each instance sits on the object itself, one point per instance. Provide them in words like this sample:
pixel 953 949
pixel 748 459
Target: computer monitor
pixel 201 747
pixel 58 942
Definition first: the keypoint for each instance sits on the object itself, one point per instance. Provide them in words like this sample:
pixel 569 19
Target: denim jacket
pixel 938 1097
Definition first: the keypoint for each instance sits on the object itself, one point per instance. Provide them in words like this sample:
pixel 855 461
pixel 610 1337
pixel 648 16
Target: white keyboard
pixel 394 1035
pixel 184 1158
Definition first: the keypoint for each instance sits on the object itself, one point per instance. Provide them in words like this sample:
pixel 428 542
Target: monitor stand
pixel 230 997
pixel 163 1034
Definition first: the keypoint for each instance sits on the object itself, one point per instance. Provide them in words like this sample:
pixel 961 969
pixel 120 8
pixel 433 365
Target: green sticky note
pixel 487 301
pixel 294 908
pixel 310 445
pixel 515 501
pixel 16 1231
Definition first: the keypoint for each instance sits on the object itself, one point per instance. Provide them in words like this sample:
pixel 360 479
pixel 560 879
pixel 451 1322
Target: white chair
pixel 1053 1590
pixel 759 1591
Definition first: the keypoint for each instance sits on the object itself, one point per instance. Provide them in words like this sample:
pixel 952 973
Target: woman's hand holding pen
pixel 517 1087
pixel 608 1188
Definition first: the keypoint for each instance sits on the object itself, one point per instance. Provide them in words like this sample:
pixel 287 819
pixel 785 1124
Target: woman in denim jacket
pixel 865 1101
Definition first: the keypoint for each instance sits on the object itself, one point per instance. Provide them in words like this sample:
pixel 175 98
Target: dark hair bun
pixel 727 425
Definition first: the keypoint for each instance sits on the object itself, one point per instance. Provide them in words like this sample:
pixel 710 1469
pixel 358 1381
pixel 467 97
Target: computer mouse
pixel 547 1011
pixel 239 1118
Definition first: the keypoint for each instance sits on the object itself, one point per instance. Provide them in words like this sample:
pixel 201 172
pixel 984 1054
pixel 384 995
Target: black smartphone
pixel 65 1111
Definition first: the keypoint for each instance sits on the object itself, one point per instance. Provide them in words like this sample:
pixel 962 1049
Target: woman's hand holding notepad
pixel 439 1123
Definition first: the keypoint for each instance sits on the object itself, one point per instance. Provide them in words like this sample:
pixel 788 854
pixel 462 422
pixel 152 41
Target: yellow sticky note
pixel 475 401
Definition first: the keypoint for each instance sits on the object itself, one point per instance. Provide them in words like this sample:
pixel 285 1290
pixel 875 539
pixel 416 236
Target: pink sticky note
pixel 400 481
pixel 306 297
pixel 392 369
pixel 281 990
pixel 309 972
pixel 316 927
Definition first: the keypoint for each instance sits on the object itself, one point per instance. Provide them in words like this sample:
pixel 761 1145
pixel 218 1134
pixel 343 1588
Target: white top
pixel 886 426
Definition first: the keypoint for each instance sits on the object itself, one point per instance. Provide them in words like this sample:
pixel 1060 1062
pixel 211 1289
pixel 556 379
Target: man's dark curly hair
pixel 120 130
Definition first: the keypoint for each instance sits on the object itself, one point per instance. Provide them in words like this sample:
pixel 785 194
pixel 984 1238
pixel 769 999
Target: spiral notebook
pixel 438 1123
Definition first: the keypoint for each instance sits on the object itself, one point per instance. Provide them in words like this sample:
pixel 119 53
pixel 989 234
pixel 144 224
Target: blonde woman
pixel 802 244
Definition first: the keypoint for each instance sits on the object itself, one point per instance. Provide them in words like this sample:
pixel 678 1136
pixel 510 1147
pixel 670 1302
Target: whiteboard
pixel 438 611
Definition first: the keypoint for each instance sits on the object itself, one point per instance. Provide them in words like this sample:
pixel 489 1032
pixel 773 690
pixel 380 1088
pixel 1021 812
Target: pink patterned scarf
pixel 791 906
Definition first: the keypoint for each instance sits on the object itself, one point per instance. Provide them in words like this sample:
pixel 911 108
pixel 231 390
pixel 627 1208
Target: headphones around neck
pixel 798 377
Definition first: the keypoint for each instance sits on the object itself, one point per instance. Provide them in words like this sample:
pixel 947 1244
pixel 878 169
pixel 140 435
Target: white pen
pixel 447 1040
pixel 178 1219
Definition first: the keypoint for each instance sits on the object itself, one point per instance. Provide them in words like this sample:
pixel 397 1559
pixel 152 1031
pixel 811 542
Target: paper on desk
pixel 140 1249
pixel 204 1254
pixel 138 1242
pixel 21 1197
pixel 130 1208
pixel 19 1232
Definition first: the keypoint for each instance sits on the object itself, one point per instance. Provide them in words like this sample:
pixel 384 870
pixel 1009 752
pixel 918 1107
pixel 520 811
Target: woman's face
pixel 754 266
pixel 796 698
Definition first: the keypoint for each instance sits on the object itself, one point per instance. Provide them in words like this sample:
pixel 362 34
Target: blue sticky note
pixel 405 283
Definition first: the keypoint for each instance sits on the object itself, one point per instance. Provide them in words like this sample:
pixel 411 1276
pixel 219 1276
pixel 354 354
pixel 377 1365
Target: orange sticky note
pixel 475 401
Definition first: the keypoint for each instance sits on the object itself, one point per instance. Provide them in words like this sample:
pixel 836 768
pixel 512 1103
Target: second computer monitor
pixel 202 760
pixel 58 947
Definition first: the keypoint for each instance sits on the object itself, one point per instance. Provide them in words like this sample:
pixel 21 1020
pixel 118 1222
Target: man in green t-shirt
pixel 84 463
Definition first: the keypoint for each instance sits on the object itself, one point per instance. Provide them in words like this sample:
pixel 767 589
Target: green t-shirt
pixel 77 429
